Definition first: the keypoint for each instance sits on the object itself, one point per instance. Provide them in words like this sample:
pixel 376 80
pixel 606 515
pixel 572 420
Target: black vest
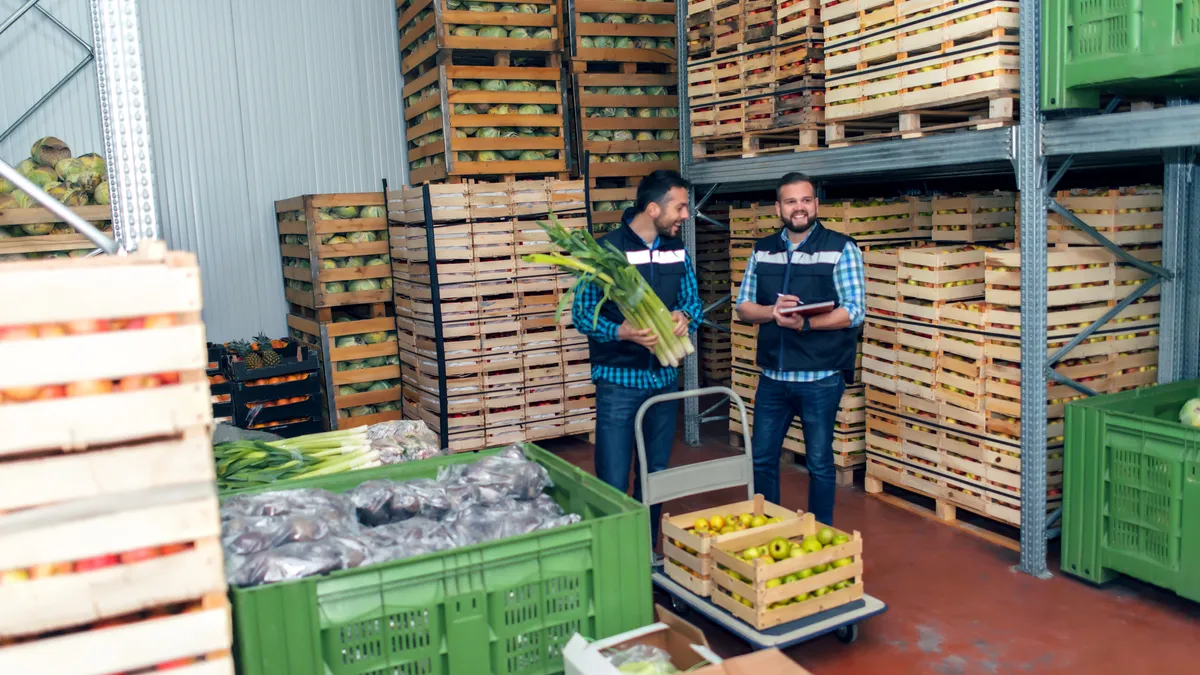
pixel 808 275
pixel 663 269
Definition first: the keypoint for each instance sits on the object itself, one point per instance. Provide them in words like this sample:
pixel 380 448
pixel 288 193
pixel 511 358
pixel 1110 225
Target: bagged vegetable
pixel 643 660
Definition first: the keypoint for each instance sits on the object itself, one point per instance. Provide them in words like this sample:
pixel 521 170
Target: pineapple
pixel 270 357
pixel 251 357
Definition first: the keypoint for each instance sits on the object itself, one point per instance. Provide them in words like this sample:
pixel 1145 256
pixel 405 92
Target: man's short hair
pixel 654 188
pixel 791 178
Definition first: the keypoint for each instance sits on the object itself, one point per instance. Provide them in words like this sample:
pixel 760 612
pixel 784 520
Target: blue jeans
pixel 776 404
pixel 616 454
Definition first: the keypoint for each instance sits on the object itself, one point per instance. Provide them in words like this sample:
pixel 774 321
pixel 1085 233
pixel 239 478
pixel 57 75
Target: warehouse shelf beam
pixel 1175 126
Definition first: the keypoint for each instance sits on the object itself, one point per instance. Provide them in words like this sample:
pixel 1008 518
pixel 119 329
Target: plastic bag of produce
pixel 507 474
pixel 372 501
pixel 287 562
pixel 306 500
pixel 412 537
pixel 643 660
pixel 422 497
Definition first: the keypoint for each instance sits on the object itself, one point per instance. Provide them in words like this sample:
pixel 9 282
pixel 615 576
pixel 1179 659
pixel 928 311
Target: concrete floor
pixel 957 608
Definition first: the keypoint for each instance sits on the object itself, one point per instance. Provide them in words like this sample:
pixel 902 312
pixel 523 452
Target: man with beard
pixel 805 361
pixel 624 367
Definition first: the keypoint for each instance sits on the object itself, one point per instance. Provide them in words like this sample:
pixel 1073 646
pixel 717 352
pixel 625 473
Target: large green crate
pixel 1132 47
pixel 502 608
pixel 1131 489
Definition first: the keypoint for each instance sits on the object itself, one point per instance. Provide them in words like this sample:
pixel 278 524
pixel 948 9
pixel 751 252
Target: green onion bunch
pixel 619 281
pixel 243 464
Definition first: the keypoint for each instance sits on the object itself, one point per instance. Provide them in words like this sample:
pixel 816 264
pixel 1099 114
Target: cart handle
pixel 694 479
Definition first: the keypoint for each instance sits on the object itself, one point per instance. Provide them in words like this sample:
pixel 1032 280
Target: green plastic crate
pixel 502 608
pixel 1132 47
pixel 1131 489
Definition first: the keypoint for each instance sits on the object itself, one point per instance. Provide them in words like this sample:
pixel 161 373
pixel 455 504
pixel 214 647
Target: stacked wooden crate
pixel 943 371
pixel 889 60
pixel 881 227
pixel 712 276
pixel 338 280
pixel 755 77
pixel 36 233
pixel 625 104
pixel 110 559
pixel 461 62
pixel 483 359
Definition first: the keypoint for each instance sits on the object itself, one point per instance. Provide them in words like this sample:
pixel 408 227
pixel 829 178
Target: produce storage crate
pixel 765 605
pixel 506 606
pixel 36 233
pixel 1131 496
pixel 606 206
pixel 631 39
pixel 335 250
pixel 107 517
pixel 689 555
pixel 643 139
pixel 360 368
pixel 430 28
pixel 486 120
pixel 1091 48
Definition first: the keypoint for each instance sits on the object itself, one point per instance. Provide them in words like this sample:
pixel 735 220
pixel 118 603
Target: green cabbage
pixel 487 132
pixel 335 287
pixel 614 18
pixel 529 110
pixel 668 112
pixel 364 285
pixel 518 33
pixel 646 112
pixel 635 157
pixel 586 42
pixel 488 156
pixel 493 32
pixel 530 155
pixel 466 157
pixel 466 85
pixel 372 212
pixel 618 91
pixel 644 136
pixel 464 31
pixel 603 42
pixel 623 43
pixel 520 85
pixel 542 34
pixel 666 135
pixel 656 91
pixel 586 18
pixel 494 85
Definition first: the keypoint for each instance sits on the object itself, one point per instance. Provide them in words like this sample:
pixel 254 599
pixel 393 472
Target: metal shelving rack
pixel 1029 151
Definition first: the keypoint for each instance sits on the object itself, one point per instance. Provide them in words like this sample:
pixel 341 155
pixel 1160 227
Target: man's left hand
pixel 681 323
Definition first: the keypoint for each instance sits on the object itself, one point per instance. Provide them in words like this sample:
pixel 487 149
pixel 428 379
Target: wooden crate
pixel 975 217
pixel 689 553
pixel 453 107
pixel 37 233
pixel 101 354
pixel 941 274
pixel 868 220
pixel 1126 216
pixel 593 39
pixel 361 364
pixel 650 121
pixel 428 28
pixel 328 244
pixel 764 606
pixel 796 17
pixel 1076 276
pixel 607 206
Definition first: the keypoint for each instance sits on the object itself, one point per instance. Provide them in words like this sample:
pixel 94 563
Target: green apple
pixel 804 574
pixel 800 598
pixel 819 569
pixel 773 583
pixel 811 545
pixel 840 539
pixel 791 578
pixel 825 536
pixel 779 548
pixel 751 553
pixel 843 562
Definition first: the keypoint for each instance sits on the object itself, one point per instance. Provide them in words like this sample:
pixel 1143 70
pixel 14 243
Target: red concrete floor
pixel 956 607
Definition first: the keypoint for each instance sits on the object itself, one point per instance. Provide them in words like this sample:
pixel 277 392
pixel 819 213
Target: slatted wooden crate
pixel 36 233
pixel 628 123
pixel 429 28
pixel 644 32
pixel 873 219
pixel 797 17
pixel 975 217
pixel 888 61
pixel 942 273
pixel 129 523
pixel 334 249
pixel 880 344
pixel 607 206
pixel 1126 216
pixel 752 595
pixel 486 120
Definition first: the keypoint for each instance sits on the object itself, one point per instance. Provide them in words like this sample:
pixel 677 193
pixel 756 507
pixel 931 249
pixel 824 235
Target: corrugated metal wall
pixel 250 101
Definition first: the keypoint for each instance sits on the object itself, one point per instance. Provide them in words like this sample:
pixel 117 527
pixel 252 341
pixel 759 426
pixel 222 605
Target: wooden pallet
pixel 989 113
pixel 757 143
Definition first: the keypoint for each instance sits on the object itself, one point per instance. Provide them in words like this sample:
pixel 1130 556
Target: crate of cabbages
pixel 688 539
pixel 767 578
pixel 465 564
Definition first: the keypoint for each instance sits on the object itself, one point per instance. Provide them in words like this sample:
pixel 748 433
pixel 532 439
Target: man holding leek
pixel 625 367
pixel 806 357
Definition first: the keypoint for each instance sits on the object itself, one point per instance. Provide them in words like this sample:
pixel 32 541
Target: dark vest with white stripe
pixel 663 269
pixel 808 275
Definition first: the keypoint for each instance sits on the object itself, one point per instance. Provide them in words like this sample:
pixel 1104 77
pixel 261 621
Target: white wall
pixel 250 101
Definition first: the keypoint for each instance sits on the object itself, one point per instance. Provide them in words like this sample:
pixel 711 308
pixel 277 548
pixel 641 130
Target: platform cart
pixel 693 479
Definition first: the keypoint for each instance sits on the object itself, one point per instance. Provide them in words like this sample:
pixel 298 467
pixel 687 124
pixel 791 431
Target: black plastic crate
pixel 247 414
pixel 314 426
pixel 245 393
pixel 237 371
pixel 216 353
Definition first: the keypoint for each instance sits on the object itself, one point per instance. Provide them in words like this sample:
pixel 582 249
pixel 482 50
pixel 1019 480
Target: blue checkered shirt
pixel 583 310
pixel 851 290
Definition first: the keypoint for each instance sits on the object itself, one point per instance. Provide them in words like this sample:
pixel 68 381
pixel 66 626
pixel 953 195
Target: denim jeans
pixel 776 404
pixel 616 454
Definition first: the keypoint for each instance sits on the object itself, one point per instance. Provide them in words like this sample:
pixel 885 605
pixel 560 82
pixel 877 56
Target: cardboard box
pixel 683 641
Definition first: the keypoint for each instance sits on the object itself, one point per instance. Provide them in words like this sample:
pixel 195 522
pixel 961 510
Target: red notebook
pixel 810 310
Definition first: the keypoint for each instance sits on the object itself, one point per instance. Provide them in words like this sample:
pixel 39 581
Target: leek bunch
pixel 620 282
pixel 243 464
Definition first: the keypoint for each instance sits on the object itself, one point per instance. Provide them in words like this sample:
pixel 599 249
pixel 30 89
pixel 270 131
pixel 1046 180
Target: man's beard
pixel 798 228
pixel 663 229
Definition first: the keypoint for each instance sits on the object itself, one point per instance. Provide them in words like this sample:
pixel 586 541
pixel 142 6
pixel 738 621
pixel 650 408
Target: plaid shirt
pixel 851 290
pixel 583 309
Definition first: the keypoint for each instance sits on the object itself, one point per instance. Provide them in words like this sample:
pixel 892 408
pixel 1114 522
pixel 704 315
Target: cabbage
pixel 636 91
pixel 360 411
pixel 614 18
pixel 481 108
pixel 622 112
pixel 466 157
pixel 666 43
pixel 372 212
pixel 364 285
pixel 666 135
pixel 346 390
pixel 668 112
pixel 531 155
pixel 643 19
pixel 347 341
pixel 390 406
pixel 521 85
pixel 586 42
pixel 603 42
pixel 463 109
pixel 481 7
pixel 618 91
pixel 646 112
pixel 529 110
pixel 547 87
pixel 542 34
pixel 606 206
pixel 360 237
pixel 508 9
pixel 645 43
pixel 510 154
pixel 466 85
pixel 493 32
pixel 487 132
pixel 488 156
pixel 378 260
pixel 326 264
pixel 335 287
pixel 518 33
pixel 586 18
pixel 612 159
pixel 594 159
pixel 644 136
pixel 493 85
pixel 669 156
pixel 622 135
pixel 625 204
pixel 623 43
pixel 635 157
pixel 547 132
pixel 375 337
pixel 526 9
pixel 464 31
pixel 379 385
pixel 651 157
pixel 1189 414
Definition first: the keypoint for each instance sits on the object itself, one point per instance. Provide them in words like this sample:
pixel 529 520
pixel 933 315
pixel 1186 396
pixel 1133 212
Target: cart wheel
pixel 847 634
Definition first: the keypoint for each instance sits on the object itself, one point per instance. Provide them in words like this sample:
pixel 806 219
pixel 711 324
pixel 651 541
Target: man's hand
pixel 681 323
pixel 644 337
pixel 792 321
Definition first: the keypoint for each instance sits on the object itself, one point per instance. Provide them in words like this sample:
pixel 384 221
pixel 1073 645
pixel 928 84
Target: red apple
pixel 51 330
pixel 169 378
pixel 134 324
pixel 172 549
pixel 52 391
pixel 89 387
pixel 137 555
pixel 177 663
pixel 84 326
pixel 18 333
pixel 99 562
